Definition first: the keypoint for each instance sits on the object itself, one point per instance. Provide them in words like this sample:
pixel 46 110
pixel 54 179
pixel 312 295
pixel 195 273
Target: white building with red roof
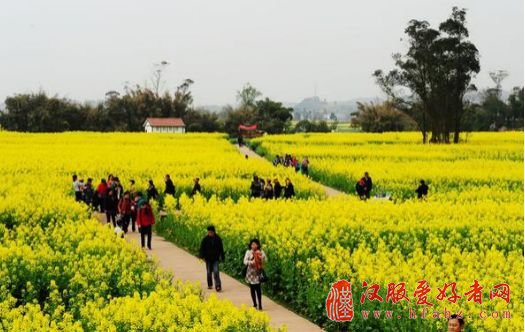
pixel 165 125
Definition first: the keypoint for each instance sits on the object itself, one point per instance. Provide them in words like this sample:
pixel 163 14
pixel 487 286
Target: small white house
pixel 165 125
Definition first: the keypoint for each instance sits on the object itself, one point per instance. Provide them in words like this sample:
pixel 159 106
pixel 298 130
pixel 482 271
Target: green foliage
pixel 248 95
pixel 305 126
pixel 378 118
pixel 38 112
pixel 493 113
pixel 269 116
pixel 437 68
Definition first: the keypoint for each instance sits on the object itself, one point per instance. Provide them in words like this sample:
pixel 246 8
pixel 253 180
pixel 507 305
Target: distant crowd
pixel 271 190
pixel 289 160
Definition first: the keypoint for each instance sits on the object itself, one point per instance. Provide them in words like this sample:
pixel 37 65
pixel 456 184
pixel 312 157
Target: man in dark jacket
pixel 211 251
pixel 289 190
pixel 256 188
pixel 277 189
pixel 422 190
pixel 170 187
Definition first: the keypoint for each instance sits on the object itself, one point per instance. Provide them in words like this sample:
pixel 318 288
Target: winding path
pixel 330 192
pixel 187 267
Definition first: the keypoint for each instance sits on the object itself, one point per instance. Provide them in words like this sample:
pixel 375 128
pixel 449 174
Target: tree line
pixel 489 113
pixel 38 112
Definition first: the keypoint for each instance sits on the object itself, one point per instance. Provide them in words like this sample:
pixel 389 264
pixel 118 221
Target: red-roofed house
pixel 165 125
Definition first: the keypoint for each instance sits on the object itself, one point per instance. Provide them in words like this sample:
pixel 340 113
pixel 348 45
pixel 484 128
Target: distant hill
pixel 315 108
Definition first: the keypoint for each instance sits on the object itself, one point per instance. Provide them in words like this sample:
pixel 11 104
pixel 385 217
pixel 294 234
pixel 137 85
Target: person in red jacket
pixel 100 195
pixel 145 219
pixel 124 209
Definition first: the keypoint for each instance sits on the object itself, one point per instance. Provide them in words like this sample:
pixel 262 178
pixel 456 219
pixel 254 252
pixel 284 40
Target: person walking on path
pixel 254 259
pixel 196 187
pixel 124 209
pixel 132 190
pixel 170 187
pixel 289 190
pixel 304 166
pixel 100 195
pixel 77 189
pixel 152 191
pixel 294 163
pixel 422 190
pixel 110 206
pixel 110 180
pixel 277 189
pixel 268 189
pixel 89 193
pixel 368 185
pixel 145 220
pixel 211 251
pixel 119 190
pixel 255 188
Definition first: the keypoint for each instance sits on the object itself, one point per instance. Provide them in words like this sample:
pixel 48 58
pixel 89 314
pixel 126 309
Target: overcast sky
pixel 284 48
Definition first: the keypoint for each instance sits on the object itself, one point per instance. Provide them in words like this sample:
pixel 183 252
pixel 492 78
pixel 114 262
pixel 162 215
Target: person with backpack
pixel 145 220
pixel 170 187
pixel 124 209
pixel 211 251
pixel 254 260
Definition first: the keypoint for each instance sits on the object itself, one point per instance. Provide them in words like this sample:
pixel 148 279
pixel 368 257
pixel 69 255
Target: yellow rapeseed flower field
pixel 61 270
pixel 64 271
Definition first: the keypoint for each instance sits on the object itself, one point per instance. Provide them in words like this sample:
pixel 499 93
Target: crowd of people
pixel 269 189
pixel 124 208
pixel 289 160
